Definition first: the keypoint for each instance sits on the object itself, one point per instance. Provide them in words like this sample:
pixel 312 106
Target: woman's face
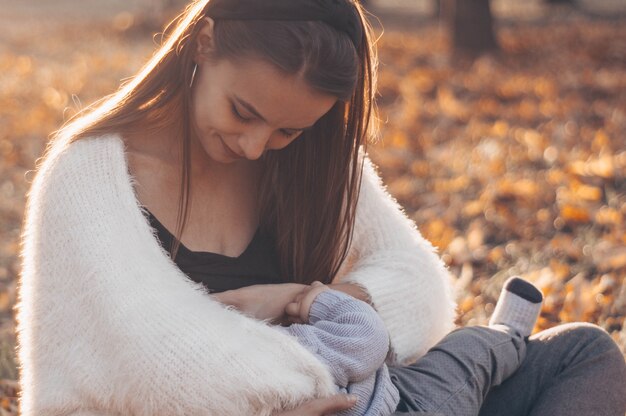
pixel 243 108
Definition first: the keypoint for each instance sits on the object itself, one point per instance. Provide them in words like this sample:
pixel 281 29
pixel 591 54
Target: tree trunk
pixel 471 26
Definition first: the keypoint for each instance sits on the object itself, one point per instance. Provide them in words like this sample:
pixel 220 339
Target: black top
pixel 217 272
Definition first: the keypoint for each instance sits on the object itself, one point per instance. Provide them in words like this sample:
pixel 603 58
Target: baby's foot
pixel 518 307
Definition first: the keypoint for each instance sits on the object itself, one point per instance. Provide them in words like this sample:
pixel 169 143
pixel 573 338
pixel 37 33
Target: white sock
pixel 518 307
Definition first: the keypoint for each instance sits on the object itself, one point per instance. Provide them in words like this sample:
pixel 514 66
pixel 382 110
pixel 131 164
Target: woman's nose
pixel 254 142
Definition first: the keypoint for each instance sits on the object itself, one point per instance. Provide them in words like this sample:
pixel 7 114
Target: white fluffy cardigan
pixel 108 325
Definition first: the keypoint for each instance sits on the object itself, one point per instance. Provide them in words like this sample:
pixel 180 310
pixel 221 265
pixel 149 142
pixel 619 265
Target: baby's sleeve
pixel 376 395
pixel 346 334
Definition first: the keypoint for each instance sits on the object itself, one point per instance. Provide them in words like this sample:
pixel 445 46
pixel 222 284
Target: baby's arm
pixel 345 333
pixel 376 395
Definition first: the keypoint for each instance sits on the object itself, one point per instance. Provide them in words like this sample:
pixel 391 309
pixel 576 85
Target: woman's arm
pixel 399 270
pixel 107 323
pixel 322 407
pixel 263 301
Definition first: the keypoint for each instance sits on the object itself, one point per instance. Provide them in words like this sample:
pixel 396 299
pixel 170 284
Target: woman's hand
pixel 320 407
pixel 263 302
pixel 268 302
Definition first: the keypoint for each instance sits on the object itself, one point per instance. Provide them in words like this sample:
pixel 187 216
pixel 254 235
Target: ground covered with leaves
pixel 515 164
pixel 511 164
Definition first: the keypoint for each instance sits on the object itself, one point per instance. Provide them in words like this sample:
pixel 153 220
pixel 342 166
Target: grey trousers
pixel 571 369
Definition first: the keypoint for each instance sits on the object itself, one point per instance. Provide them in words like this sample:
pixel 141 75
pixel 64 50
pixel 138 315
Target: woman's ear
pixel 204 40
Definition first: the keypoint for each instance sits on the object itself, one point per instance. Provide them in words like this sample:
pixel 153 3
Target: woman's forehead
pixel 278 97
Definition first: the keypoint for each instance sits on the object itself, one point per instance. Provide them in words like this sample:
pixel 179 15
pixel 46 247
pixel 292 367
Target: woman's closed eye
pixel 243 119
pixel 238 115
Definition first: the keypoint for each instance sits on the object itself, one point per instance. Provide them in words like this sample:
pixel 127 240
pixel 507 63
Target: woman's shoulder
pixel 91 148
pixel 98 142
pixel 378 212
pixel 72 166
pixel 66 156
pixel 373 190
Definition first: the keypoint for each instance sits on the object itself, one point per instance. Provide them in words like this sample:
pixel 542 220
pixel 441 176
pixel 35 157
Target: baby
pixel 348 336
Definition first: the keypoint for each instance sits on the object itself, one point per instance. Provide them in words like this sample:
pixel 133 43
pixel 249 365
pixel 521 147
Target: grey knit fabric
pixel 349 337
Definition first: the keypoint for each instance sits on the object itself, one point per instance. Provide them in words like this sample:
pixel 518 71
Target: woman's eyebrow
pixel 254 111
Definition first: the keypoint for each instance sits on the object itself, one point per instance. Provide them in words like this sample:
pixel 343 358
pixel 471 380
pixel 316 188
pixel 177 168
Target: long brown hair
pixel 309 189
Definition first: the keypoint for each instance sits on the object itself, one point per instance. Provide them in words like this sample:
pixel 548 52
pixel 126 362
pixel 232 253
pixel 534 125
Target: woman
pixel 245 132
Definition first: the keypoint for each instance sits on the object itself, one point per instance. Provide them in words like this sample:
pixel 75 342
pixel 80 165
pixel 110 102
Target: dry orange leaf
pixel 575 214
pixel 589 193
pixel 608 216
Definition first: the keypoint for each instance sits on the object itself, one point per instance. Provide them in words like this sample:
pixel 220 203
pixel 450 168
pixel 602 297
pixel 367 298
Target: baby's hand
pixel 298 310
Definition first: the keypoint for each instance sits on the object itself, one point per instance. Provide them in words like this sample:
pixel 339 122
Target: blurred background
pixel 503 134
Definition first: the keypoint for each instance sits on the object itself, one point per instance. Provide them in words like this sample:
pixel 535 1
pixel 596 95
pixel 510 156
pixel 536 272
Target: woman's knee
pixel 599 361
pixel 602 342
pixel 584 333
pixel 588 342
